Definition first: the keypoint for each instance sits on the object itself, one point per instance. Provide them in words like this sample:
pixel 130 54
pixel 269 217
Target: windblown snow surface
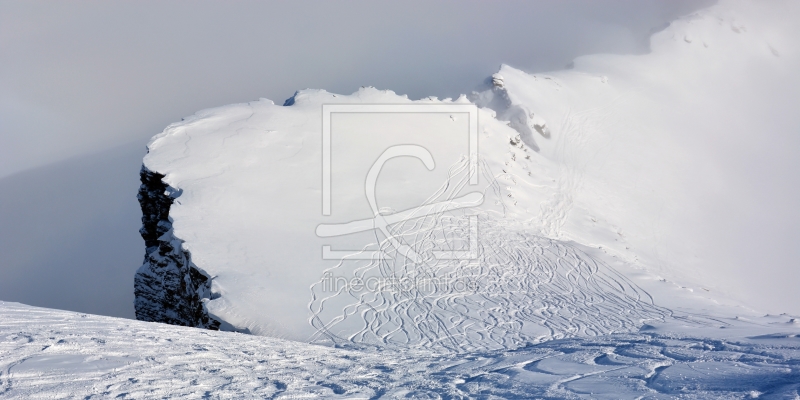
pixel 620 246
pixel 59 354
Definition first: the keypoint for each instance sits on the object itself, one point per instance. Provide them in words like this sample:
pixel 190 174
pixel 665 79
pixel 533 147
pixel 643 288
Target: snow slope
pixel 48 353
pixel 684 160
pixel 628 190
pixel 246 186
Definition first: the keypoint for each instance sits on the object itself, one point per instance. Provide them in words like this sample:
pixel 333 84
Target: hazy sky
pixel 79 78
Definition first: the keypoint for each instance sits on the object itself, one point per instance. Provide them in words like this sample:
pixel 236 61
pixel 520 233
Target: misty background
pixel 84 85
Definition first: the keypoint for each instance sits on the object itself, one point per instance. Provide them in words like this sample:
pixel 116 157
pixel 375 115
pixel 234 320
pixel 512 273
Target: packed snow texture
pixel 48 353
pixel 614 193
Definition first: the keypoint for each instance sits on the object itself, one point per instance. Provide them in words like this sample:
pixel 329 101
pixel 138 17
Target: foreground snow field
pixel 50 354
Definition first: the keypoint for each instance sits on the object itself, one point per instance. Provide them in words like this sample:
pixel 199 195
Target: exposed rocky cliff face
pixel 168 287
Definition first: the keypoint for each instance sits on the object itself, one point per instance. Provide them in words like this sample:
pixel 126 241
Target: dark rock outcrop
pixel 168 287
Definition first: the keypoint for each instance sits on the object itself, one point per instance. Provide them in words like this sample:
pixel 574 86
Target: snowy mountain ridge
pixel 623 229
pixel 614 189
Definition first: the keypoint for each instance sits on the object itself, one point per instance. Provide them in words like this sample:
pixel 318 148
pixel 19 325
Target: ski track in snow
pixel 521 279
pixel 48 353
pixel 575 149
pixel 522 288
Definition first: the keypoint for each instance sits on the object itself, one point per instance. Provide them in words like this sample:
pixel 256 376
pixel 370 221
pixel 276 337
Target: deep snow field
pixel 624 248
pixel 46 354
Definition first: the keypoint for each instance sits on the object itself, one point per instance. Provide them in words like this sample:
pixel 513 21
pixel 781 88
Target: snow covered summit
pixel 604 197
